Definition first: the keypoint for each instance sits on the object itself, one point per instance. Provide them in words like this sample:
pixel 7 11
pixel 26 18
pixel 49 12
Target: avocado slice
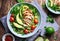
pixel 39 39
pixel 51 3
pixel 20 13
pixel 19 20
pixel 17 25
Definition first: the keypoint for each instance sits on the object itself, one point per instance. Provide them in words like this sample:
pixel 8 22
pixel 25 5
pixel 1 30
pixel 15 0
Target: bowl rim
pixel 4 36
pixel 53 11
pixel 27 35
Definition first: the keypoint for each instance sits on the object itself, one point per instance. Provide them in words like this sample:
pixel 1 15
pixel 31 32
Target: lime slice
pixel 39 39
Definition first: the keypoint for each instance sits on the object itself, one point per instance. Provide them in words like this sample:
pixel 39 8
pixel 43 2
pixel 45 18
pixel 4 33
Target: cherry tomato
pixel 12 15
pixel 33 27
pixel 35 21
pixel 11 19
pixel 26 31
pixel 32 30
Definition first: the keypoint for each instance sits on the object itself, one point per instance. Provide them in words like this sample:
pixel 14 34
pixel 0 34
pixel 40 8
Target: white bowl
pixel 56 12
pixel 20 35
pixel 4 36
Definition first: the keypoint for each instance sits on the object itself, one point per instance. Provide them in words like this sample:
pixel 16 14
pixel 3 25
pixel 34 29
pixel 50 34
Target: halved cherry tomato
pixel 26 31
pixel 35 21
pixel 12 15
pixel 11 19
pixel 33 27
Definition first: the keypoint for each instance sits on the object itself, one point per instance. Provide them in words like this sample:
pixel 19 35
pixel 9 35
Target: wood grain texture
pixel 5 7
pixel 0 3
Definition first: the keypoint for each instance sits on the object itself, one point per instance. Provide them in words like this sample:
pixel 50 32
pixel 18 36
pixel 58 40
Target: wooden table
pixel 5 6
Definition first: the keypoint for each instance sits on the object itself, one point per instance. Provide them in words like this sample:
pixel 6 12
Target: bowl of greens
pixel 53 6
pixel 24 19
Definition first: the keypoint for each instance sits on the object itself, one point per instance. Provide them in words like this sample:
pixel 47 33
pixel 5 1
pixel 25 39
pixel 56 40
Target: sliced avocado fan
pixel 19 20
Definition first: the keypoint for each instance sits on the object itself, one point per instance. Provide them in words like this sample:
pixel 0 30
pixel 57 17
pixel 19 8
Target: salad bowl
pixel 51 6
pixel 24 35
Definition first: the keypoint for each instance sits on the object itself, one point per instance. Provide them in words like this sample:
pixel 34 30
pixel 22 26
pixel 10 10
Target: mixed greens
pixel 54 4
pixel 24 18
pixel 50 19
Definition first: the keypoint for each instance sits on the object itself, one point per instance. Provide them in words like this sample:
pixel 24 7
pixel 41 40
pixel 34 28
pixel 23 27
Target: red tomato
pixel 12 15
pixel 35 21
pixel 11 19
pixel 32 30
pixel 26 31
pixel 33 27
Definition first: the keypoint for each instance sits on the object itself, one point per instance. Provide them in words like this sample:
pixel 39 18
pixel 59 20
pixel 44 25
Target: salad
pixel 24 18
pixel 54 4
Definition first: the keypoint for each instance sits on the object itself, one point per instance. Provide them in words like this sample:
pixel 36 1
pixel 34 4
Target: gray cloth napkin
pixel 4 22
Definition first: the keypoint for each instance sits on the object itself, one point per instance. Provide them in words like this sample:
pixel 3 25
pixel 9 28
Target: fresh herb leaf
pixel 15 10
pixel 50 19
pixel 19 1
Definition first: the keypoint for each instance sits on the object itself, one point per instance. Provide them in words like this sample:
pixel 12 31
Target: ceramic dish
pixel 4 36
pixel 25 35
pixel 52 8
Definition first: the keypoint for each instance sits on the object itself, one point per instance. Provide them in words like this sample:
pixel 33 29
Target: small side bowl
pixel 4 36
pixel 55 12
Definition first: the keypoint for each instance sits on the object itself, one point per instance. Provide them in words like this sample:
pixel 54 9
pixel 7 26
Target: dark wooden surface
pixel 5 6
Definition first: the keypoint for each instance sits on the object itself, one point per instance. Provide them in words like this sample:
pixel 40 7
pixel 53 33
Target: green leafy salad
pixel 54 4
pixel 24 18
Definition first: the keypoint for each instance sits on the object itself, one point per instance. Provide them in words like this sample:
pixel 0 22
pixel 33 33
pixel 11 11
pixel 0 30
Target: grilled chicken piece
pixel 28 15
pixel 27 21
pixel 57 2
